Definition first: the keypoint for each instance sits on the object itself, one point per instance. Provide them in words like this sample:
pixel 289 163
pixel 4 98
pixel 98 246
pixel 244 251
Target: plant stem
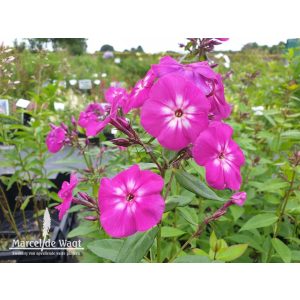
pixel 216 215
pixel 158 243
pixel 30 181
pixel 282 211
pixel 197 233
pixel 168 188
pixel 284 203
pixel 7 212
pixel 150 152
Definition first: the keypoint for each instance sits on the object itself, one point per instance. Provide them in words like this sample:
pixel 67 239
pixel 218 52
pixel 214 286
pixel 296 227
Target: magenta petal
pixel 148 183
pixel 233 177
pixel 119 223
pixel 173 137
pixel 204 148
pixel 149 210
pixel 215 175
pixel 234 150
pixel 66 194
pixel 63 208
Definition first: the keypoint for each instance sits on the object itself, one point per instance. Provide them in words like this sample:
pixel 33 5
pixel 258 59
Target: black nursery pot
pixel 59 231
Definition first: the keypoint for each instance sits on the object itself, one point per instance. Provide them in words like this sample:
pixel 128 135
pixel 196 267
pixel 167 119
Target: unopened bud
pixel 74 122
pixel 239 198
pixel 91 218
pixel 122 142
pixel 64 126
pixel 52 126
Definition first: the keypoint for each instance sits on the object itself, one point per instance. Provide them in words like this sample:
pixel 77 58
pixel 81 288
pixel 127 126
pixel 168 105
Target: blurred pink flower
pixel 130 202
pixel 175 113
pixel 55 138
pixel 200 73
pixel 66 194
pixel 220 155
pixel 140 92
pixel 239 198
pixel 116 95
pixel 121 148
pixel 94 118
pixel 222 39
pixel 220 109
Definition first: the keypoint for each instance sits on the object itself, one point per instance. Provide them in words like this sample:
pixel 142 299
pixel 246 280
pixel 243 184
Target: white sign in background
pixel 85 84
pixel 4 107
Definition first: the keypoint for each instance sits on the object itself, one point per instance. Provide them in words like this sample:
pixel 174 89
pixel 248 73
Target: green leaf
pixel 192 259
pixel 25 203
pixel 167 231
pixel 295 255
pixel 258 221
pixel 243 238
pixel 236 211
pixel 189 214
pixel 213 241
pixel 291 134
pixel 231 253
pixel 107 248
pixel 136 246
pixel 200 252
pixel 179 200
pixel 83 229
pixel 76 208
pixel 282 250
pixel 194 185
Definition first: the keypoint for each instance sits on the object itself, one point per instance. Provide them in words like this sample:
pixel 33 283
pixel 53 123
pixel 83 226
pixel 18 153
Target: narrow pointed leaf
pixel 282 250
pixel 106 248
pixel 194 185
pixel 136 246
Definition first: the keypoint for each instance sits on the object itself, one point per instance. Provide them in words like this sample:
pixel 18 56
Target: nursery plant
pixel 170 124
pixel 203 164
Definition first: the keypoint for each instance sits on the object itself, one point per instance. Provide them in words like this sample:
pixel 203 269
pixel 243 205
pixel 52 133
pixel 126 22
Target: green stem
pixel 168 188
pixel 30 181
pixel 149 151
pixel 197 233
pixel 7 212
pixel 282 211
pixel 284 203
pixel 158 244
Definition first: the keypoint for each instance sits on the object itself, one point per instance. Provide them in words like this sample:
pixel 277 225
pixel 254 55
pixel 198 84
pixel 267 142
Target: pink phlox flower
pixel 56 138
pixel 140 92
pixel 94 118
pixel 66 194
pixel 220 109
pixel 130 202
pixel 176 112
pixel 220 155
pixel 200 73
pixel 116 95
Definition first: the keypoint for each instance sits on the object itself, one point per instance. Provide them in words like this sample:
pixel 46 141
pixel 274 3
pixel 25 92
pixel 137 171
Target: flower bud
pixel 122 142
pixel 239 198
pixel 91 218
pixel 64 126
pixel 74 122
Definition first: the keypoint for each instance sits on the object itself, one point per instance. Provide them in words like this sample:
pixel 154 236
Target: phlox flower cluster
pixel 183 106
